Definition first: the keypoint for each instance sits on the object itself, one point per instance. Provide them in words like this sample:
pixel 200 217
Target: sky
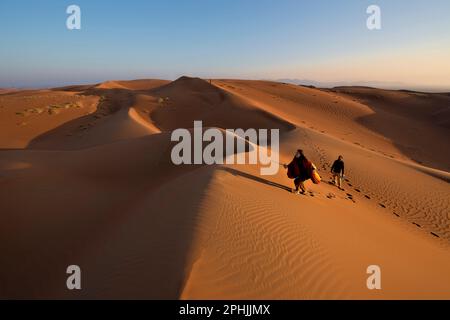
pixel 320 40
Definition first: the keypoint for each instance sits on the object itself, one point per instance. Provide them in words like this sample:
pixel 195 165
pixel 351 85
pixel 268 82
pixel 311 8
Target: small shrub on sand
pixel 52 111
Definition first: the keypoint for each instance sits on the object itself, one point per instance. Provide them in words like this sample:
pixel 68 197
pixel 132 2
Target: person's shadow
pixel 257 179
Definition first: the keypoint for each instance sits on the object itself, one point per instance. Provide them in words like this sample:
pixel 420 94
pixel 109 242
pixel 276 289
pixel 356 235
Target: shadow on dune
pixel 116 219
pixel 422 144
pixel 257 179
pixel 444 176
pixel 150 249
pixel 193 99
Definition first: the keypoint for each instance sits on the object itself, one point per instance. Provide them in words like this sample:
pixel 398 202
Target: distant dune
pixel 86 179
pixel 388 85
pixel 5 91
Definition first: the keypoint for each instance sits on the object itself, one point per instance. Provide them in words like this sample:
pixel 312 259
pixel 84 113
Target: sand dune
pixel 25 115
pixel 189 99
pixel 400 115
pixel 136 85
pixel 379 120
pixel 95 186
pixel 120 114
pixel 5 91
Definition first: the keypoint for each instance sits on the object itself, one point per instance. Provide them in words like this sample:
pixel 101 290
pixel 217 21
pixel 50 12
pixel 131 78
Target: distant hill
pixel 370 84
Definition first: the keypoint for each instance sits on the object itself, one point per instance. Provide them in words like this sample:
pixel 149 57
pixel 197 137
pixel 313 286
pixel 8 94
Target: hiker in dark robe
pixel 300 170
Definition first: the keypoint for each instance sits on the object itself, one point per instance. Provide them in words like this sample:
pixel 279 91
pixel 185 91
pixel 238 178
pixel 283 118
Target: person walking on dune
pixel 299 170
pixel 337 170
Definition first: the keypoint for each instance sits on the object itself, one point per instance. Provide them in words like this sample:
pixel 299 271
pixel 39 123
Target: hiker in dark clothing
pixel 298 170
pixel 337 170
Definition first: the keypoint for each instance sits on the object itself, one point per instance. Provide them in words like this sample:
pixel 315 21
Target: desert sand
pixel 86 178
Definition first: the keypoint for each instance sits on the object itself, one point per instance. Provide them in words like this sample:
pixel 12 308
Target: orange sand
pixel 86 179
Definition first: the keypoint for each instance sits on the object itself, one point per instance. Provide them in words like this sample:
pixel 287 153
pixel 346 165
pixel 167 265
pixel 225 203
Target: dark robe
pixel 300 168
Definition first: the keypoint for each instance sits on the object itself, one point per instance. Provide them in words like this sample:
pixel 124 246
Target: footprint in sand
pixel 435 235
pixel 350 197
pixel 331 196
pixel 357 190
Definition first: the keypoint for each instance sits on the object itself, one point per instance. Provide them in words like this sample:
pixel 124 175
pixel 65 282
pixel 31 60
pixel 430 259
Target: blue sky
pixel 323 40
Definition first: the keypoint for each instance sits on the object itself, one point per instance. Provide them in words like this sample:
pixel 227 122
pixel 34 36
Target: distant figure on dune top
pixel 337 170
pixel 301 169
